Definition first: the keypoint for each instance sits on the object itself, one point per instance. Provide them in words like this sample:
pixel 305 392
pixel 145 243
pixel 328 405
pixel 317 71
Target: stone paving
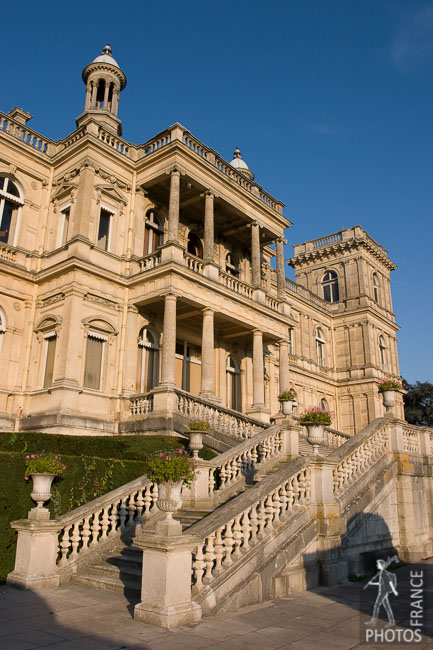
pixel 73 617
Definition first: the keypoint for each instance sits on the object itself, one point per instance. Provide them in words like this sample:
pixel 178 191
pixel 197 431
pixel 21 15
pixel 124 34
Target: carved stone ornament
pixel 100 300
pixel 56 297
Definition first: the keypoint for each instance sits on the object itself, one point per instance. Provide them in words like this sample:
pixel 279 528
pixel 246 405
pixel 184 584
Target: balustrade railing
pixel 150 261
pixel 366 452
pixel 92 524
pixel 244 460
pixel 25 135
pixel 272 303
pixel 306 293
pixel 221 419
pixel 193 263
pixel 156 143
pixel 235 284
pixel 411 441
pixel 8 253
pixel 117 143
pixel 141 404
pixel 224 542
pixel 336 438
pixel 325 241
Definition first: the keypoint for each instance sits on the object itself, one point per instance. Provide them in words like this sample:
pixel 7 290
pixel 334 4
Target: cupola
pixel 104 81
pixel 241 165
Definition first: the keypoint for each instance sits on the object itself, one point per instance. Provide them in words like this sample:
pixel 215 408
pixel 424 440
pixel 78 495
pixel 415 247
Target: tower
pixel 104 81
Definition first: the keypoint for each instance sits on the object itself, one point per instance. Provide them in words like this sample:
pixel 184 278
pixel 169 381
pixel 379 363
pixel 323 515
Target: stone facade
pixel 135 274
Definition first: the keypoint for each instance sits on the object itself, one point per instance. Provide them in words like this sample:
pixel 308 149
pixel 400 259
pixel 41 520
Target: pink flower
pixel 27 456
pixel 32 456
pixel 167 458
pixel 26 478
pixel 161 455
pixel 56 457
pixel 64 467
pixel 180 451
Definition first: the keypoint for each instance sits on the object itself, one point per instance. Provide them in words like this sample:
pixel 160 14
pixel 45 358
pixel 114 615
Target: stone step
pixel 109 583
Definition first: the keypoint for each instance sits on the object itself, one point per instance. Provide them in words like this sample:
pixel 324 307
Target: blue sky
pixel 330 102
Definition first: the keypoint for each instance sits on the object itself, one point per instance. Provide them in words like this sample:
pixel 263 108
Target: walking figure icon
pixel 387 583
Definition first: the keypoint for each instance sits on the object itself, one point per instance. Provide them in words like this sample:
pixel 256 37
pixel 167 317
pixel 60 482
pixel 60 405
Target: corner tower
pixel 104 81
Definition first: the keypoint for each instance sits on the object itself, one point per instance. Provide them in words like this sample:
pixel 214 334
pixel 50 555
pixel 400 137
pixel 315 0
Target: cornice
pixel 334 251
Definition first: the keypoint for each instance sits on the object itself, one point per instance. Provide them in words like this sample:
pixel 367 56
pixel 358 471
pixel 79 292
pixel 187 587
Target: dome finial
pixel 237 153
pixel 107 50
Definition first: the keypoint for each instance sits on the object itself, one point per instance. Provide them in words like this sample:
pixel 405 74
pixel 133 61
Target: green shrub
pixel 95 465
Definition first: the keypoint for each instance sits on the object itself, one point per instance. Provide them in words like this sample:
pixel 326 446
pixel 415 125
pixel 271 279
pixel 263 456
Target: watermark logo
pixel 386 583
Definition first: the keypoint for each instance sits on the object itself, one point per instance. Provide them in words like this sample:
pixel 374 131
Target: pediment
pixel 112 192
pixel 63 190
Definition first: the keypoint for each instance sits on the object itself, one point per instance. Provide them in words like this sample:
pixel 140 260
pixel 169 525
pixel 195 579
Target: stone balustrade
pixel 141 404
pixel 326 241
pixel 360 454
pixel 8 253
pixel 245 460
pixel 193 263
pixel 224 420
pixel 309 295
pixel 150 261
pixel 411 441
pixel 336 438
pixel 230 533
pixel 26 135
pixel 89 525
pixel 117 143
pixel 235 284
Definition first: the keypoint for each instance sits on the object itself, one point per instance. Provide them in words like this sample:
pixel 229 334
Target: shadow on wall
pixel 388 594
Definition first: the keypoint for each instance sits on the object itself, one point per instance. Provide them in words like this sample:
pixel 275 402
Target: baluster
pixel 261 517
pixel 211 486
pixel 96 527
pixel 219 551
pixel 254 524
pixel 224 475
pixel 237 536
pixel 64 546
pixel 105 521
pixel 139 505
pixel 114 518
pixel 277 505
pixel 154 490
pixel 228 544
pixel 209 558
pixel 270 510
pixel 284 499
pixel 123 512
pixel 290 494
pixel 198 568
pixel 85 534
pixel 75 539
pixel 295 489
pixel 131 508
pixel 246 529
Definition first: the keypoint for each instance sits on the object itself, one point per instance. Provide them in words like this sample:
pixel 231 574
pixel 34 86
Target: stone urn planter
pixel 196 442
pixel 288 406
pixel 315 433
pixel 169 501
pixel 388 397
pixel 41 492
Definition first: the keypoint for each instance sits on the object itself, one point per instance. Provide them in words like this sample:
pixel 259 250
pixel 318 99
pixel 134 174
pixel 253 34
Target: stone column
pixel 207 355
pixel 258 370
pixel 281 275
pixel 82 215
pixel 173 208
pixel 255 254
pixel 107 90
pixel 169 341
pixel 208 227
pixel 284 365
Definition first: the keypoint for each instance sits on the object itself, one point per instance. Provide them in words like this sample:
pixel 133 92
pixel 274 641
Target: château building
pixel 138 286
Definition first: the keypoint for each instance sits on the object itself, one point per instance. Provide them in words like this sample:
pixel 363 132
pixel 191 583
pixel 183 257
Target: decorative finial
pixel 107 50
pixel 237 153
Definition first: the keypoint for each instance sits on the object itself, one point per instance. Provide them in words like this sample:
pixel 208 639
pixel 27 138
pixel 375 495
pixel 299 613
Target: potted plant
pixel 196 430
pixel 287 400
pixel 316 419
pixel 388 387
pixel 43 469
pixel 171 470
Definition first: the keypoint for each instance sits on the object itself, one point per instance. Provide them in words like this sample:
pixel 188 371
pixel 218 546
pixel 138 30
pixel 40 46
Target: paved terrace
pixel 73 617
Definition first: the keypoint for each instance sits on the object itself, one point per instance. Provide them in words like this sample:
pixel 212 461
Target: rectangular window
pixel 94 358
pixel 104 229
pixel 6 214
pixel 65 225
pixel 50 353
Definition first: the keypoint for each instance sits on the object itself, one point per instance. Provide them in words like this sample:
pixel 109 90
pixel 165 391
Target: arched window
pixel 194 245
pixel 320 347
pixel 375 287
pixel 232 265
pixel 234 396
pixel 10 203
pixel 382 352
pixel 148 350
pixel 100 94
pixel 153 233
pixel 330 287
pixel 50 353
pixel 2 327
